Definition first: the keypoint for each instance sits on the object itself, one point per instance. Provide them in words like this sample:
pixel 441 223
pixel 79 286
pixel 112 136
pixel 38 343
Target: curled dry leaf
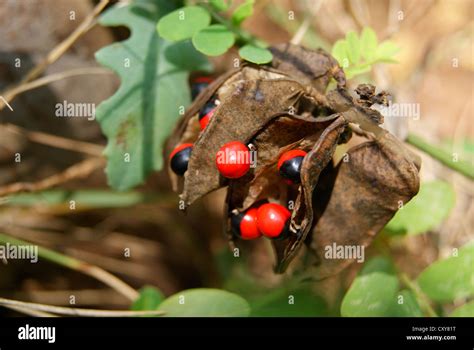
pixel 285 106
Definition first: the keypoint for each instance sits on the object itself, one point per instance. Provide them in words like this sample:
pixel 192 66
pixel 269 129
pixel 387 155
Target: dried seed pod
pixel 286 106
pixel 366 193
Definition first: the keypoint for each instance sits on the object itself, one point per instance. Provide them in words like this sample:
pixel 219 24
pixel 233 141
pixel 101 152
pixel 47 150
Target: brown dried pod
pixel 286 106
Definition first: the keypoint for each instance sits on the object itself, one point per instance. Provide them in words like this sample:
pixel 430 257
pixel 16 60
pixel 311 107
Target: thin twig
pixel 62 310
pixel 59 50
pixel 63 46
pixel 78 170
pixel 56 141
pixel 12 93
pixel 35 313
pixel 301 32
pixel 78 265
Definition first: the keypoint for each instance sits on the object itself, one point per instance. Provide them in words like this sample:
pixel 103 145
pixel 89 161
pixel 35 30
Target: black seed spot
pixel 291 169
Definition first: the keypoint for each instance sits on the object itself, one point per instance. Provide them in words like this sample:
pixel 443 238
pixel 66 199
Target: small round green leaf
pixel 205 303
pixel 214 40
pixel 149 299
pixel 255 54
pixel 467 310
pixel 285 302
pixel 378 264
pixel 183 23
pixel 242 12
pixel 220 5
pixel 451 278
pixel 370 295
pixel 406 305
pixel 425 211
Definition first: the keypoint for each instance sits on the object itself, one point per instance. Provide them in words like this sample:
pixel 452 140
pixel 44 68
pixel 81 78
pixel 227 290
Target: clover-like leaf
pixel 357 54
pixel 220 5
pixel 242 12
pixel 452 278
pixel 214 40
pixel 368 43
pixel 353 45
pixel 149 299
pixel 255 54
pixel 425 211
pixel 204 302
pixel 339 51
pixel 183 23
pixel 154 84
pixel 386 50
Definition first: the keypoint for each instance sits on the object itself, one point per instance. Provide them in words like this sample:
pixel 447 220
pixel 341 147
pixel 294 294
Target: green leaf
pixel 255 54
pixel 149 299
pixel 370 295
pixel 283 302
pixel 138 118
pixel 406 305
pixel 220 5
pixel 466 310
pixel 368 43
pixel 451 278
pixel 205 303
pixel 386 50
pixel 353 71
pixel 214 40
pixel 242 12
pixel 353 47
pixel 339 52
pixel 183 23
pixel 425 211
pixel 378 264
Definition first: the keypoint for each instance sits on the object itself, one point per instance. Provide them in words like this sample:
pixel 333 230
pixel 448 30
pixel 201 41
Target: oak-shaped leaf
pixel 139 117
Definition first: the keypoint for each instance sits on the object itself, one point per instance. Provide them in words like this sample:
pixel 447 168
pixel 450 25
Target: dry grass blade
pixel 58 51
pixel 11 94
pixel 56 141
pixel 78 265
pixel 78 170
pixel 70 311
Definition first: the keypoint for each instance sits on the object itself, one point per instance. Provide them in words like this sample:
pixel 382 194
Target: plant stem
pixel 420 296
pixel 460 166
pixel 78 265
pixel 242 35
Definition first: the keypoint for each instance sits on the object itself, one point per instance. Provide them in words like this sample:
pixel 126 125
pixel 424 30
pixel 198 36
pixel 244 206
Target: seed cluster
pixel 269 133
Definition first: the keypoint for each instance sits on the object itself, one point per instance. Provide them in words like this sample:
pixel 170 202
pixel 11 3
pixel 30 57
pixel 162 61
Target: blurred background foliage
pixel 141 237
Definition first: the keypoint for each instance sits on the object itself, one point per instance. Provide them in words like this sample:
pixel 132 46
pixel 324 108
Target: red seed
pixel 272 219
pixel 233 160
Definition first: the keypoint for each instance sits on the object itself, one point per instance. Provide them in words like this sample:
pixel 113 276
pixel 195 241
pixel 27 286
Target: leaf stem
pixel 420 296
pixel 242 35
pixel 460 166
